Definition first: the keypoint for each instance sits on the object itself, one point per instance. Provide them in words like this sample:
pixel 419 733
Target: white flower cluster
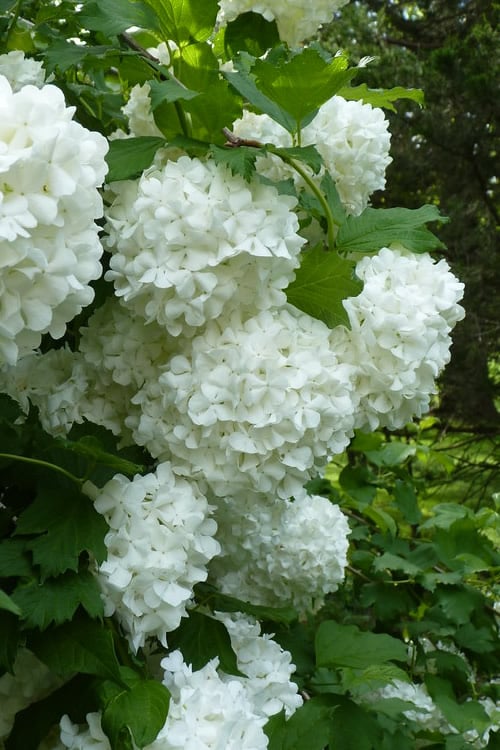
pixel 253 406
pixel 266 666
pixel 296 19
pixel 21 71
pixel 159 543
pixel 210 710
pixel 190 241
pixel 353 139
pixel 400 338
pixel 30 681
pixel 425 713
pixel 50 168
pixel 282 552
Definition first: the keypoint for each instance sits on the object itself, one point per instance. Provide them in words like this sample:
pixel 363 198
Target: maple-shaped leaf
pixel 66 524
pixel 57 599
pixel 82 645
pixel 322 282
pixel 240 160
pixel 380 227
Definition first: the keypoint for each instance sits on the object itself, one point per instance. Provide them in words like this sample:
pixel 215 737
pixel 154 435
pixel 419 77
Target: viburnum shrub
pixel 199 309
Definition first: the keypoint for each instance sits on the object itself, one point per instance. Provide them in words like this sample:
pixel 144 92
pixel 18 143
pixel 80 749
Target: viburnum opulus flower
pixel 399 340
pixel 353 139
pixel 277 552
pixel 250 405
pixel 21 71
pixel 296 19
pixel 50 169
pixel 190 241
pixel 160 539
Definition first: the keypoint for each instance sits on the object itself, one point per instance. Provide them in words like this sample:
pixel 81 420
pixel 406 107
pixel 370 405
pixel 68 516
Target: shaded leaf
pixel 142 709
pixel 14 560
pixel 57 599
pixel 223 603
pixel 309 727
pixel 249 32
pixel 9 638
pixel 8 604
pixel 201 638
pixel 67 524
pixel 322 282
pixel 112 17
pixel 82 645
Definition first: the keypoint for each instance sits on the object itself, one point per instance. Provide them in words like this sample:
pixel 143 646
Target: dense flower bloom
pixel 50 168
pixel 21 71
pixel 399 340
pixel 280 552
pixel 159 543
pixel 208 711
pixel 31 681
pixel 138 111
pixel 191 240
pixel 268 667
pixel 296 19
pixel 425 713
pixel 54 382
pixel 353 139
pixel 255 405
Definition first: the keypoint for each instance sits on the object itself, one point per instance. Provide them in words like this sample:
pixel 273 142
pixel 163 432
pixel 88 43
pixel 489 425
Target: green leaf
pixel 392 454
pixel 309 727
pixel 127 158
pixel 331 194
pixel 201 638
pixel 9 604
pixel 306 154
pixel 209 595
pixel 347 646
pixel 300 85
pixel 353 727
pixel 82 645
pixel 382 97
pixel 9 638
pixel 63 55
pixel 250 32
pixel 380 227
pixel 240 160
pixel 168 91
pixel 13 559
pixel 90 447
pixel 407 501
pixel 57 599
pixel 185 21
pixel 67 524
pixel 389 561
pixel 142 710
pixel 245 84
pixel 111 17
pixel 372 678
pixel 216 107
pixel 322 282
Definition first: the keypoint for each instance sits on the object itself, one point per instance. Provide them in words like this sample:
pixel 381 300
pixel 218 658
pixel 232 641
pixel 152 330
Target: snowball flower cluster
pixel 21 71
pixel 353 139
pixel 266 666
pixel 255 405
pixel 50 168
pixel 159 543
pixel 280 552
pixel 400 338
pixel 296 19
pixel 191 240
pixel 426 714
pixel 208 711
